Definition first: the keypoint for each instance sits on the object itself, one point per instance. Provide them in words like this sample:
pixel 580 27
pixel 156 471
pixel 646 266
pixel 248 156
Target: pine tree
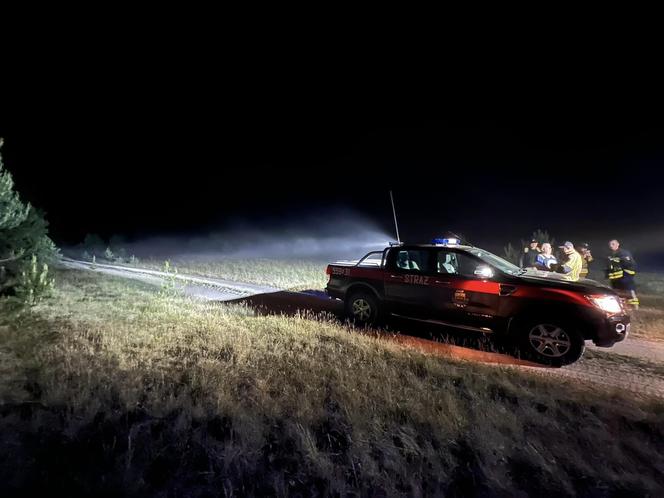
pixel 108 254
pixel 35 282
pixel 514 254
pixel 23 235
pixel 543 236
pixel 94 244
pixel 12 211
pixel 511 253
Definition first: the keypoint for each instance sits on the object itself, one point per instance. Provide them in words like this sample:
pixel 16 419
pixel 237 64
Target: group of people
pixel 574 264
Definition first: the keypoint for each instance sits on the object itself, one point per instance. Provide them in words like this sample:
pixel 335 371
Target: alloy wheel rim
pixel 549 340
pixel 361 309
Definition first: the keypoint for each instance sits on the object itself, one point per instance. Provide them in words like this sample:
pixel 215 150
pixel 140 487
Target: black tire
pixel 550 341
pixel 363 308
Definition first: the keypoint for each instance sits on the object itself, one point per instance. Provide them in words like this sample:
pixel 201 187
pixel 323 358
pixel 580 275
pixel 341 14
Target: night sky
pixel 163 150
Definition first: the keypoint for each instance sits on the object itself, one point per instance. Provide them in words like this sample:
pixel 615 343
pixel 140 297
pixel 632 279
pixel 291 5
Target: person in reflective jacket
pixel 571 267
pixel 620 271
pixel 586 258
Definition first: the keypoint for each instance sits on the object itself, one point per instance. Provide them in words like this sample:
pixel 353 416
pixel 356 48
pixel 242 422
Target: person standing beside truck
pixel 571 268
pixel 529 256
pixel 586 259
pixel 621 270
pixel 546 258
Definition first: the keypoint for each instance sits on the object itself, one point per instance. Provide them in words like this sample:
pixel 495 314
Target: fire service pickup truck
pixel 547 317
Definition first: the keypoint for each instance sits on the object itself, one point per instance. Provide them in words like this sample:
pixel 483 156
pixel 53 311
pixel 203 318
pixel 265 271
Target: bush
pixel 108 254
pixel 168 286
pixel 121 255
pixel 34 282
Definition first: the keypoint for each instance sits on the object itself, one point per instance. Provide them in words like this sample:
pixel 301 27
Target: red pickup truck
pixel 547 317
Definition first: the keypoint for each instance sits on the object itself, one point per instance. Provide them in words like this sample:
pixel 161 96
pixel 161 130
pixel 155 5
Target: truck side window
pixel 455 263
pixel 412 260
pixel 447 263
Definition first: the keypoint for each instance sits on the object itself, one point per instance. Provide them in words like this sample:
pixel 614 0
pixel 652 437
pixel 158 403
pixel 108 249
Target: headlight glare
pixel 610 304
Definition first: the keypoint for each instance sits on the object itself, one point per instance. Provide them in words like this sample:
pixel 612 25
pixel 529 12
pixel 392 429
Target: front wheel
pixel 363 308
pixel 551 342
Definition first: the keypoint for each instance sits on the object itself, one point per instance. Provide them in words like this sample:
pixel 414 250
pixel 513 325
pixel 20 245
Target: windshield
pixel 496 261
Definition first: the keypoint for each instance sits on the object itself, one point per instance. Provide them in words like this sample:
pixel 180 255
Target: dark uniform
pixel 529 256
pixel 620 272
pixel 529 259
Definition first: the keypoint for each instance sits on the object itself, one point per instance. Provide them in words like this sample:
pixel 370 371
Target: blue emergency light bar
pixel 446 242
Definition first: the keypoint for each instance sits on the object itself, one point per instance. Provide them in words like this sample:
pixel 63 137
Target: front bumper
pixel 611 329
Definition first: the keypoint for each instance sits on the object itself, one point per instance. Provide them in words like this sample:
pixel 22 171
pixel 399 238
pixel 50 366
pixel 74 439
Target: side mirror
pixel 484 271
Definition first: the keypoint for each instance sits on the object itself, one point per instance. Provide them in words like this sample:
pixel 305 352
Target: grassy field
pixel 651 283
pixel 283 273
pixel 648 322
pixel 310 273
pixel 112 388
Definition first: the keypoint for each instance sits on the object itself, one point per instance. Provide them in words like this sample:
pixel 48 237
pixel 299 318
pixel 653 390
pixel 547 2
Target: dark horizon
pixel 143 171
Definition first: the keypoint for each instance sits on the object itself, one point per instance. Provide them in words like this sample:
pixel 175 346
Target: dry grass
pixel 612 360
pixel 283 273
pixel 112 388
pixel 651 283
pixel 648 321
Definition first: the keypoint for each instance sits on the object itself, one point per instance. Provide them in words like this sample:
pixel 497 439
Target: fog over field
pixel 342 233
pixel 338 234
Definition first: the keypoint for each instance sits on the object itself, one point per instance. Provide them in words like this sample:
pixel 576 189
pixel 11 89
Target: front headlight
pixel 610 304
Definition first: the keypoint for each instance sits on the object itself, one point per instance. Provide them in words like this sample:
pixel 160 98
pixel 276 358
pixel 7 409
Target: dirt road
pixel 209 289
pixel 635 365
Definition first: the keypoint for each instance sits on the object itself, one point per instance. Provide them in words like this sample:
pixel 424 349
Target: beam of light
pixel 325 236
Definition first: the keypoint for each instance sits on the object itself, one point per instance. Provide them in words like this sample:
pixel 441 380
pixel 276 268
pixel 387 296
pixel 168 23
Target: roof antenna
pixel 394 212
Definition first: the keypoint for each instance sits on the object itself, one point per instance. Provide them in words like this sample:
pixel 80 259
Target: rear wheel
pixel 363 308
pixel 550 342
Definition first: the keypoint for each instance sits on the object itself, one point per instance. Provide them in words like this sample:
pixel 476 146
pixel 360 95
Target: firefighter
pixel 572 265
pixel 529 256
pixel 621 271
pixel 586 259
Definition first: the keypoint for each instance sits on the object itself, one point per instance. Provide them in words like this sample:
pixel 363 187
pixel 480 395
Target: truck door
pixel 460 296
pixel 408 279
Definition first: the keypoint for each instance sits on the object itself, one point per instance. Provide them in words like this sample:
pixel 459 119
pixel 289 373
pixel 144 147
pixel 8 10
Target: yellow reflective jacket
pixel 585 260
pixel 573 264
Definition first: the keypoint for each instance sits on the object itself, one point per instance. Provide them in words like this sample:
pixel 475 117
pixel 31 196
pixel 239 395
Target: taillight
pixel 328 270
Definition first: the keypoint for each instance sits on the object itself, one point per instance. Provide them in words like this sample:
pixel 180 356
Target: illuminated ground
pixel 632 365
pixel 206 288
pixel 116 387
